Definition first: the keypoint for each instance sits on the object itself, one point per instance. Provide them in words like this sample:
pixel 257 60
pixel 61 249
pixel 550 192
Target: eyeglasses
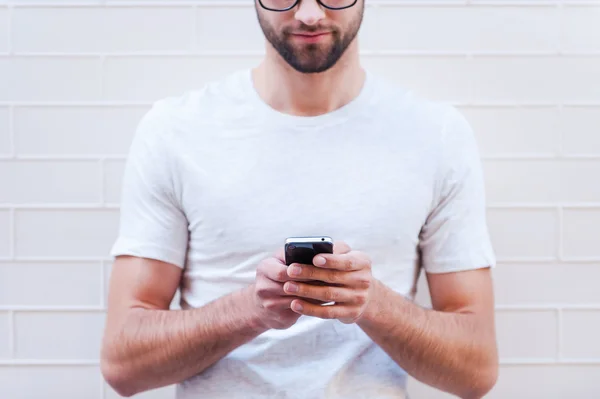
pixel 286 5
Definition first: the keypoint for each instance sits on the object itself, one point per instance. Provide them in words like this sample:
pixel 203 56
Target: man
pixel 306 143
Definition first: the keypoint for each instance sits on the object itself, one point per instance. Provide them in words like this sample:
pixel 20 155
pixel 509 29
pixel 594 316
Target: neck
pixel 289 91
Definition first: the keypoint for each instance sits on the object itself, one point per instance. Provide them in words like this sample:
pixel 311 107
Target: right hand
pixel 270 302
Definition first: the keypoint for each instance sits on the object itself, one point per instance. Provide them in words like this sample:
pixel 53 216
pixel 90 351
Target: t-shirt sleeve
pixel 152 223
pixel 455 236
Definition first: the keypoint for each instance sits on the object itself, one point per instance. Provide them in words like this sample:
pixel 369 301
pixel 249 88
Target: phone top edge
pixel 309 239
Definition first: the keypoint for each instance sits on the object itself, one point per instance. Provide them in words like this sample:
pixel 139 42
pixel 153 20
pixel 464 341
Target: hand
pixel 269 302
pixel 349 284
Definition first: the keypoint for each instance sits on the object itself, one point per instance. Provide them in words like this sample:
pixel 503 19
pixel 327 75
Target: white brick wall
pixel 76 76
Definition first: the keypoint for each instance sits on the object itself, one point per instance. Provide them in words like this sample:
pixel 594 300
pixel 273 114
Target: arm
pixel 451 347
pixel 146 345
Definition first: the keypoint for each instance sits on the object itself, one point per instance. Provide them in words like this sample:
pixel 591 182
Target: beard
pixel 311 57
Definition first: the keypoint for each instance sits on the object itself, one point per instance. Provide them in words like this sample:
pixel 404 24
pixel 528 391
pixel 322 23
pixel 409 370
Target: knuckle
pixel 269 304
pixel 366 281
pixel 350 265
pixel 281 275
pixel 333 277
pixel 361 298
pixel 329 313
pixel 261 289
pixel 331 295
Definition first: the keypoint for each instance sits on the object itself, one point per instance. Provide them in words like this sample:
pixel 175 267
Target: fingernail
pixel 295 270
pixel 320 261
pixel 297 306
pixel 292 287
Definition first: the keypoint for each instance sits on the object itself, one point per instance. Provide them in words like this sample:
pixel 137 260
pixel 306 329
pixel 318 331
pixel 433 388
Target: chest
pixel 251 194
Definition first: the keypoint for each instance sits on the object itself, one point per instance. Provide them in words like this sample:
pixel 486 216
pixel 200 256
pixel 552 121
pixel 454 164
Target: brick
pixel 4 335
pixel 4 131
pixel 127 78
pixel 64 382
pixel 103 29
pixel 468 29
pixel 3 30
pixel 524 181
pixel 580 332
pixel 4 233
pixel 523 233
pixel 160 393
pixel 515 131
pixel 536 336
pixel 436 78
pixel 76 130
pixel 516 79
pixel 541 181
pixel 65 233
pixel 58 2
pixel 72 284
pixel 574 181
pixel 55 181
pixel 546 381
pixel 580 29
pixel 368 35
pixel 580 233
pixel 67 335
pixel 554 283
pixel 581 131
pixel 49 79
pixel 113 176
pixel 580 79
pixel 247 36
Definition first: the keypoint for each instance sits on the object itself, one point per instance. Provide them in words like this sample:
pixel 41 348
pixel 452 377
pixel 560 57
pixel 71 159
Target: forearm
pixel 155 348
pixel 453 352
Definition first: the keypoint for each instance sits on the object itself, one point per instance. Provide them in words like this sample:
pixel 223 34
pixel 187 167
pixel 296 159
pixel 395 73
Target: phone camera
pixel 291 246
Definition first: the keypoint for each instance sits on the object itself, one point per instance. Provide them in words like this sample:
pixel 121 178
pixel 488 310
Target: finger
pixel 323 293
pixel 274 301
pixel 299 272
pixel 350 261
pixel 274 270
pixel 340 247
pixel 280 255
pixel 267 288
pixel 277 303
pixel 344 313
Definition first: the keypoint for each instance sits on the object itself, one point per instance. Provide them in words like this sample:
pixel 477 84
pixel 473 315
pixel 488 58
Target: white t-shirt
pixel 216 180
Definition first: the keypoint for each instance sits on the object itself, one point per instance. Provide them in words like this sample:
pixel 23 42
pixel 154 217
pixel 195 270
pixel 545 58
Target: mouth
pixel 312 37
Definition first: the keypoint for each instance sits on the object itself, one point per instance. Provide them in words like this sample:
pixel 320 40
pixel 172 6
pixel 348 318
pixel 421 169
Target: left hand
pixel 349 283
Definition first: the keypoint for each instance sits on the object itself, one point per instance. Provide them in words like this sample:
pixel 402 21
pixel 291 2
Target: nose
pixel 310 12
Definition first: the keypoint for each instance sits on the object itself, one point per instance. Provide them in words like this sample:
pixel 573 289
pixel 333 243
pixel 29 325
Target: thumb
pixel 340 247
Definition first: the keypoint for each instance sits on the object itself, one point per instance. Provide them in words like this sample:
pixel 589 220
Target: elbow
pixel 118 378
pixel 483 381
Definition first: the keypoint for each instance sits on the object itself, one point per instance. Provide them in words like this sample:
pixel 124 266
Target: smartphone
pixel 304 249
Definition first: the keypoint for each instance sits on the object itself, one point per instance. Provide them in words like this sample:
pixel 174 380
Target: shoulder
pixel 422 113
pixel 207 105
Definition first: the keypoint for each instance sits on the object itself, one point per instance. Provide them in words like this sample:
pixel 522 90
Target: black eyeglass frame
pixel 298 1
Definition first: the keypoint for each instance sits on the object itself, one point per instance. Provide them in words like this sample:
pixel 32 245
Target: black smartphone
pixel 304 249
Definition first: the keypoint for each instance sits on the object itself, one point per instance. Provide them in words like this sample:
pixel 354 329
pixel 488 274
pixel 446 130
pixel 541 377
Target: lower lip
pixel 311 39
